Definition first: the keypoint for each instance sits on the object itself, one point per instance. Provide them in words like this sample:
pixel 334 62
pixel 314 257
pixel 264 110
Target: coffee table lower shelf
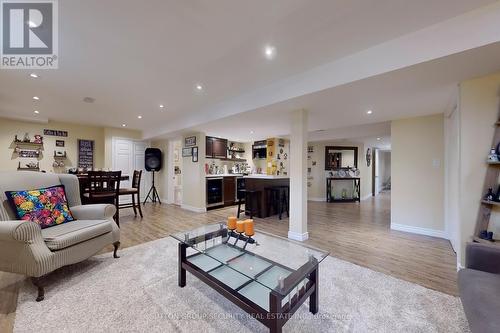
pixel 267 306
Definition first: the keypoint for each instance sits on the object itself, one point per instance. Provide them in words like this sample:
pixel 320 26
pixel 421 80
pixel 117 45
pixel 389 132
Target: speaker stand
pixel 153 193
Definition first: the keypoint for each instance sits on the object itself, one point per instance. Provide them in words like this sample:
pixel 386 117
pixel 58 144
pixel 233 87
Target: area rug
pixel 139 293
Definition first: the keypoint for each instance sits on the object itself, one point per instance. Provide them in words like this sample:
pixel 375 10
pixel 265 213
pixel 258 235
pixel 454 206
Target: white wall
pixel 417 200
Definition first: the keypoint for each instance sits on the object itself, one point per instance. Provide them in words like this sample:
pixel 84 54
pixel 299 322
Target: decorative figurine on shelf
pixel 493 157
pixel 26 137
pixel 38 139
pixel 16 139
pixel 490 195
pixel 487 235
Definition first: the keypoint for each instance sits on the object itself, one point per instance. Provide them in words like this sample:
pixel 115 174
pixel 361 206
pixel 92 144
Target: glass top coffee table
pixel 265 275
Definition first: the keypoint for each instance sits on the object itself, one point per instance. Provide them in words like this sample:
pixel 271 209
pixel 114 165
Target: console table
pixel 356 185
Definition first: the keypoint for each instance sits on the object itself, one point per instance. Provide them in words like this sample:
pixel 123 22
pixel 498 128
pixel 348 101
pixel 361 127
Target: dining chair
pixel 104 187
pixel 134 191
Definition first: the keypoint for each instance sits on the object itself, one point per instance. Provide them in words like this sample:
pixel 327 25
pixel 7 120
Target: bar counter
pixel 259 182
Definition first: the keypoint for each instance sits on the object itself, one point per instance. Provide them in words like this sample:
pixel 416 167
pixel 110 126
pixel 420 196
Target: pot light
pixel 199 87
pixel 270 52
pixel 36 112
pixel 369 112
pixel 36 98
pixel 378 139
pixel 34 75
pixel 251 132
pixel 139 117
pixel 124 125
pixel 162 106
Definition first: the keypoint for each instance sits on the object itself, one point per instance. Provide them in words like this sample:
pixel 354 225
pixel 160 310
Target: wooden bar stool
pixel 252 202
pixel 277 200
pixel 133 191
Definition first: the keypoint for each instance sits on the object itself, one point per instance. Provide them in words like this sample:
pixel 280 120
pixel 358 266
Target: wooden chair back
pixel 103 182
pixel 136 179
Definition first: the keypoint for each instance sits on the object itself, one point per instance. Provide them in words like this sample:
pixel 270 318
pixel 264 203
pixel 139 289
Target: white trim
pixel 316 199
pixel 459 266
pixel 366 197
pixel 194 209
pixel 419 230
pixel 298 236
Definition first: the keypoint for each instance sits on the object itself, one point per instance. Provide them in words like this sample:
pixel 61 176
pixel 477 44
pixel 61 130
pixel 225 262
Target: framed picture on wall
pixel 186 152
pixel 195 154
pixel 190 141
pixel 59 143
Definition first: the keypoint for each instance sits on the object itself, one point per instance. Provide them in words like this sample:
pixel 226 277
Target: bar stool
pixel 277 199
pixel 285 199
pixel 251 196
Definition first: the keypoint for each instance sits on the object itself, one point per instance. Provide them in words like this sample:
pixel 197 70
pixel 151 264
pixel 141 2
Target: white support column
pixel 298 176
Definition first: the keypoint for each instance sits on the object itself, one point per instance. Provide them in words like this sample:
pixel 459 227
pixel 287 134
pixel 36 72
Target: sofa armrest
pixel 94 212
pixel 483 257
pixel 21 231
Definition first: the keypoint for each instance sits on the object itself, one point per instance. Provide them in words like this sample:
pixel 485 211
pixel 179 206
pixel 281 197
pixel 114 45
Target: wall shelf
pixel 492 203
pixel 485 241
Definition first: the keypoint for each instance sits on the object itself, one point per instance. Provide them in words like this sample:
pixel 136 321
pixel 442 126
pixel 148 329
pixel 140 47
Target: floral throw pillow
pixel 46 207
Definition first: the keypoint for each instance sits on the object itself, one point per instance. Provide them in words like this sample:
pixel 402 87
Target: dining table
pixel 83 181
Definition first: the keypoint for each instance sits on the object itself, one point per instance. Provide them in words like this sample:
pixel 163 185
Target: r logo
pixel 27 28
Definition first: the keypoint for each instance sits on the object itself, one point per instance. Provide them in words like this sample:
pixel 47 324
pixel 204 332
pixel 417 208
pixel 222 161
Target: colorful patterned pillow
pixel 46 206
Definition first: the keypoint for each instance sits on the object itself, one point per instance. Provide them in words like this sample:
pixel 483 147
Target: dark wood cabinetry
pixel 216 147
pixel 229 190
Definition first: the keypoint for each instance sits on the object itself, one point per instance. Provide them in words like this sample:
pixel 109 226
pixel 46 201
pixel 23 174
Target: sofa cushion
pixel 479 292
pixel 69 234
pixel 46 206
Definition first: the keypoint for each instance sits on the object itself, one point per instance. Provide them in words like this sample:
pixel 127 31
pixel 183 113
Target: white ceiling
pixel 340 112
pixel 132 56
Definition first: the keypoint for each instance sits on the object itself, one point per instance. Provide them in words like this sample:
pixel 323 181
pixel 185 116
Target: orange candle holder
pixel 231 222
pixel 249 228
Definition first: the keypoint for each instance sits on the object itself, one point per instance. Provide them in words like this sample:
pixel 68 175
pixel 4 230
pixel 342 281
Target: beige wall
pixel 193 177
pixel 101 136
pixel 478 111
pixel 417 199
pixel 317 190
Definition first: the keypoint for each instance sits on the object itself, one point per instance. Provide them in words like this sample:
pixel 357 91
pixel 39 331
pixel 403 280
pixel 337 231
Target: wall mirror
pixel 338 157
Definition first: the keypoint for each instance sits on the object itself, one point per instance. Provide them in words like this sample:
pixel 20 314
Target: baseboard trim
pixel 194 209
pixel 298 236
pixel 366 197
pixel 419 230
pixel 317 199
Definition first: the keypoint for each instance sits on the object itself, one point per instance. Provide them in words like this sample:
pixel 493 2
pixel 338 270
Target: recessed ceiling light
pixel 270 52
pixel 34 75
pixel 36 98
pixel 162 106
pixel 369 112
pixel 378 139
pixel 124 125
pixel 199 87
pixel 139 117
pixel 251 132
pixel 36 112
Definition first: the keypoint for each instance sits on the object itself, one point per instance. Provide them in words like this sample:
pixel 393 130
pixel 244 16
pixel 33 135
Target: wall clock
pixel 368 157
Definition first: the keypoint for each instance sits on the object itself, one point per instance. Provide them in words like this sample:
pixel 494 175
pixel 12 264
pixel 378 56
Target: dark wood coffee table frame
pixel 278 314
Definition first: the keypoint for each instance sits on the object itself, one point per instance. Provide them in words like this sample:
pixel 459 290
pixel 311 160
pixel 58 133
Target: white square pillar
pixel 298 176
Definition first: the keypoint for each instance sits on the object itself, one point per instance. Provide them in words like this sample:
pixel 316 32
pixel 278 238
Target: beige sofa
pixel 27 249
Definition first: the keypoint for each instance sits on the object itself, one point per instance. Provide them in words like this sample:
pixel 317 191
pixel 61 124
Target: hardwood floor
pixel 356 232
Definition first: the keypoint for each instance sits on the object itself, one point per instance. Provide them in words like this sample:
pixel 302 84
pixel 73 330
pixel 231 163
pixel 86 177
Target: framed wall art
pixel 190 141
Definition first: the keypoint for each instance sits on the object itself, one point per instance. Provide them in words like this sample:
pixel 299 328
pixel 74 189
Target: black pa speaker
pixel 152 160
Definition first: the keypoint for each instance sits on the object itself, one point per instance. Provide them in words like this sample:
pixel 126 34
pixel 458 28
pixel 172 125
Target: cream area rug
pixel 139 293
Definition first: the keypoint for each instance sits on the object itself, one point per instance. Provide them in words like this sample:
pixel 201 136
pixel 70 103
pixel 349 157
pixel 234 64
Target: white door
pixel 377 172
pixel 127 156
